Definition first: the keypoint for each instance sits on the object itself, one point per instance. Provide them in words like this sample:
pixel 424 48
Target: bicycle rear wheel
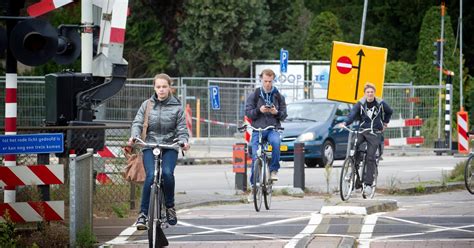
pixel 267 191
pixel 468 174
pixel 257 184
pixel 346 182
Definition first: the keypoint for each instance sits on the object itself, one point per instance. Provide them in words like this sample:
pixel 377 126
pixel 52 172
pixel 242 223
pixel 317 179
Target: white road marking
pixel 367 229
pixel 309 229
pixel 123 236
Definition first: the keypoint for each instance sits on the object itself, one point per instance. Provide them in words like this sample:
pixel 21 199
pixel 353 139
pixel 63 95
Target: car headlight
pixel 306 137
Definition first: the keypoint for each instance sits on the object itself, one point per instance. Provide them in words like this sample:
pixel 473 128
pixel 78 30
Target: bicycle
pixel 157 210
pixel 262 183
pixel 468 174
pixel 351 174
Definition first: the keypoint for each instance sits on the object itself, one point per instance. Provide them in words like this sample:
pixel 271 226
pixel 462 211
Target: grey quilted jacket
pixel 166 121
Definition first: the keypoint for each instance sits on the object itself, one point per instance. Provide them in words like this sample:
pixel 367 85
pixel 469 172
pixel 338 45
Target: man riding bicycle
pixel 266 107
pixel 374 114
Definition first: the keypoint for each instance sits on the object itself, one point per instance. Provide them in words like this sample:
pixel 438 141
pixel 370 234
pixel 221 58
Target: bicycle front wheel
pixel 468 174
pixel 267 191
pixel 346 182
pixel 257 184
pixel 152 213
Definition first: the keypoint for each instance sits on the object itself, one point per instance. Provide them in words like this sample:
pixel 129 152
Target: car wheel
pixel 327 153
pixel 311 163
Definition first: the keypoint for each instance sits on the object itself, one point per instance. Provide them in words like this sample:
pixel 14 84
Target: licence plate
pixel 283 148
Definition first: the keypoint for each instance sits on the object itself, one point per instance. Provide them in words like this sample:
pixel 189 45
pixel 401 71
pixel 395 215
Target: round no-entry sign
pixel 344 65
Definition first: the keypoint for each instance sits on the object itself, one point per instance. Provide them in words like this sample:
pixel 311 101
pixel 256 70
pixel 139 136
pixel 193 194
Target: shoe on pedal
pixel 274 175
pixel 367 190
pixel 171 217
pixel 250 195
pixel 141 223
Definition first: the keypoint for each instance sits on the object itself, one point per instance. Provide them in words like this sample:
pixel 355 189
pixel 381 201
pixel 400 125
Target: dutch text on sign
pixel 352 66
pixel 32 143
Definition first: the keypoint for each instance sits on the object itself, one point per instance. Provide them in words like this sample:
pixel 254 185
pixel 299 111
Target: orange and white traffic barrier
pixel 32 175
pixel 463 127
pixel 109 174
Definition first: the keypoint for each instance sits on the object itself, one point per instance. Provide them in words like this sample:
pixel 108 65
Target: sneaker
pixel 171 216
pixel 141 222
pixel 367 190
pixel 250 195
pixel 274 175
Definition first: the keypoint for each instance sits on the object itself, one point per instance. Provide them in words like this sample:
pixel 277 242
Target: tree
pixel 323 31
pixel 145 49
pixel 399 72
pixel 289 26
pixel 219 37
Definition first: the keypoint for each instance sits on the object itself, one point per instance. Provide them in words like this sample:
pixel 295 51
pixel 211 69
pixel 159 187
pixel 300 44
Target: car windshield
pixel 309 111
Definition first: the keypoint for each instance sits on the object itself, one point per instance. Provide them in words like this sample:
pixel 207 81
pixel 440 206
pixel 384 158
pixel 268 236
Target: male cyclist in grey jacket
pixel 166 122
pixel 374 114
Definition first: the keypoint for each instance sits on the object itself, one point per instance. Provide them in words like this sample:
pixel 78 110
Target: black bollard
pixel 298 174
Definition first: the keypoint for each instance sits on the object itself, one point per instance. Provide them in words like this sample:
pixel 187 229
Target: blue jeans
pixel 169 163
pixel 273 137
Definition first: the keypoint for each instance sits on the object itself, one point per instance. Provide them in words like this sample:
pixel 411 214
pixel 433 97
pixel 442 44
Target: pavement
pixel 107 229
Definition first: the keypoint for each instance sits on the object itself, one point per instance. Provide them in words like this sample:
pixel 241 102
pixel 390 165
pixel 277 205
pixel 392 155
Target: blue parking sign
pixel 283 61
pixel 215 99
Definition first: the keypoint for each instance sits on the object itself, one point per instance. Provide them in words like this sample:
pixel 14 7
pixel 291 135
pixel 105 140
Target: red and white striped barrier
pixel 45 6
pixel 248 132
pixel 109 174
pixel 189 120
pixel 404 141
pixel 32 175
pixel 415 122
pixel 216 122
pixel 463 127
pixel 32 211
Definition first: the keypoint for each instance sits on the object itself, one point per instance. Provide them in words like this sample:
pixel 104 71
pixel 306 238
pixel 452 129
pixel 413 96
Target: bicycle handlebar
pixel 259 129
pixel 176 145
pixel 357 131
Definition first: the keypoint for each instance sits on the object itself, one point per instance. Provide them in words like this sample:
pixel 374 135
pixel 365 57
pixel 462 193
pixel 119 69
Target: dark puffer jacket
pixel 166 121
pixel 381 116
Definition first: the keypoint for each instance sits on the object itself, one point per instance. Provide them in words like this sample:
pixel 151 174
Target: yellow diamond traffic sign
pixel 352 66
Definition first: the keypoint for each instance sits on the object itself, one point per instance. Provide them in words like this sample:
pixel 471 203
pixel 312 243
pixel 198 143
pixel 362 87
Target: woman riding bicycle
pixel 374 114
pixel 166 122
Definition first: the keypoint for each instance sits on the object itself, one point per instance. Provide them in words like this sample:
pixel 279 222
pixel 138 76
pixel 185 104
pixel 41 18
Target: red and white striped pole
pixel 189 120
pixel 10 127
pixel 10 98
pixel 463 127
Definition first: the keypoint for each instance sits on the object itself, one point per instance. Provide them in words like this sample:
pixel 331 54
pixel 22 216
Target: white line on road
pixel 123 236
pixel 367 229
pixel 231 230
pixel 309 229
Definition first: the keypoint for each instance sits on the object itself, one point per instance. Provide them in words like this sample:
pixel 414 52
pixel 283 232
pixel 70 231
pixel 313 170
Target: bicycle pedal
pixel 165 225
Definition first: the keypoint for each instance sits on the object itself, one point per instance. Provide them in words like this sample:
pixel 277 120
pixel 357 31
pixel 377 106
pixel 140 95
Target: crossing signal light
pixel 34 42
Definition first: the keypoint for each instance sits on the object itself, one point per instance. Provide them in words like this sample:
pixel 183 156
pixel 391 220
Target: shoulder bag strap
pixel 145 121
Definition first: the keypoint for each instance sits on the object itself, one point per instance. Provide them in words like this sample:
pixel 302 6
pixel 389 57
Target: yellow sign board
pixel 352 66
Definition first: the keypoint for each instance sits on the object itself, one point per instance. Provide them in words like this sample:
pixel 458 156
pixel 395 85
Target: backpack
pixel 257 95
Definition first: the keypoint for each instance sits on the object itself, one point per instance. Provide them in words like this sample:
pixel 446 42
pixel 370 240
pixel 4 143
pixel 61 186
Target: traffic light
pixel 437 53
pixel 34 42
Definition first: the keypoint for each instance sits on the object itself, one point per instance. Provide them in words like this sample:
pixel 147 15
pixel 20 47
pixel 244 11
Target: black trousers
pixel 373 142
